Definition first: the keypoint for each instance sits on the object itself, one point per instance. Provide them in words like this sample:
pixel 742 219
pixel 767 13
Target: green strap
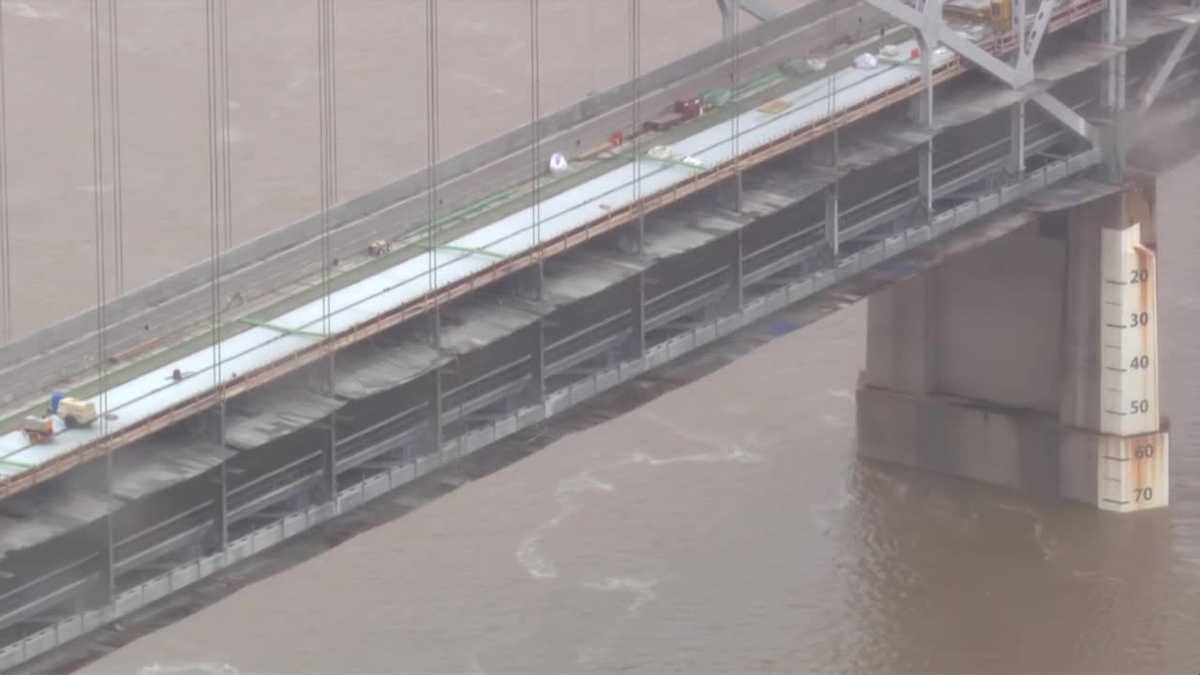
pixel 19 465
pixel 467 249
pixel 280 329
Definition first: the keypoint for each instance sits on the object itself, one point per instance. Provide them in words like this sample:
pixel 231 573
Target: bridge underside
pixel 825 224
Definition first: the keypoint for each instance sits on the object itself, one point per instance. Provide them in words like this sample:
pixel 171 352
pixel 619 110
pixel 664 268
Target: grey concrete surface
pixel 155 313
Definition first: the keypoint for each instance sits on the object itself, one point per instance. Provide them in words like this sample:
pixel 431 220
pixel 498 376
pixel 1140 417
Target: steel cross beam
pixel 759 9
pixel 930 24
pixel 1155 85
pixel 1067 117
pixel 932 30
pixel 1029 44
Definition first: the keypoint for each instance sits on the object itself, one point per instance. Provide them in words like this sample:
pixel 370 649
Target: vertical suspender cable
pixel 212 47
pixel 735 127
pixel 6 305
pixel 114 83
pixel 323 134
pixel 333 127
pixel 535 113
pixel 635 41
pixel 327 106
pixel 431 130
pixel 101 299
pixel 226 164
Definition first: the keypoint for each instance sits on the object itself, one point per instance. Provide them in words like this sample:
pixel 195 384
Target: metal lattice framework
pixel 932 30
pixel 769 246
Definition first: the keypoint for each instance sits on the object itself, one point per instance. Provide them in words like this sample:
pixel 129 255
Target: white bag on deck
pixel 865 61
pixel 558 164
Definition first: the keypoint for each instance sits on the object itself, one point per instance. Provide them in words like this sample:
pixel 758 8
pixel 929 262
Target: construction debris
pixel 775 107
pixel 663 153
pixel 38 429
pixel 558 164
pixel 379 247
pixel 866 62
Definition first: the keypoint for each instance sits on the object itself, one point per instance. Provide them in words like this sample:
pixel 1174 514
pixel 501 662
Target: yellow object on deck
pixel 76 413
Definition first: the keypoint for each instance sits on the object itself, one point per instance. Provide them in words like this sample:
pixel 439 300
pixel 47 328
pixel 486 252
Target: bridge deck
pixel 482 379
pixel 581 207
pixel 579 212
pixel 144 397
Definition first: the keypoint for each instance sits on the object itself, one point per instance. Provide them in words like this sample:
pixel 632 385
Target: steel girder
pixel 1155 84
pixel 932 30
pixel 759 9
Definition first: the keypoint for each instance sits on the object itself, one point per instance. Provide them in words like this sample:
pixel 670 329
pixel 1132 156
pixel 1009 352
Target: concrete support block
pixel 657 356
pixel 403 474
pixel 582 391
pixel 321 513
pixel 39 643
pixel 295 524
pixel 12 656
pixel 375 486
pixel 1079 405
pixel 901 325
pixel 70 628
pixel 1116 473
pixel 821 279
pixel 1030 363
pixel 273 534
pixel 184 575
pixel 631 369
pixel 557 402
pixel 94 618
pixel 1020 450
pixel 800 290
pixel 532 415
pixel 156 588
pixel 505 426
pixel 210 564
pixel 129 601
pixel 726 325
pixel 607 380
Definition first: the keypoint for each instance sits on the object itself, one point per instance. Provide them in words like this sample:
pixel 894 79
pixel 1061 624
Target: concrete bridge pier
pixel 1030 362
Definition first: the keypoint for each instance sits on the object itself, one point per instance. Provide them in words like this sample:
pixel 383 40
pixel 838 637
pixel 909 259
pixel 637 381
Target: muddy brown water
pixel 726 526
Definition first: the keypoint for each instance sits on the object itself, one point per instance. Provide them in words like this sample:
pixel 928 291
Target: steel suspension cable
pixel 735 126
pixel 212 48
pixel 118 205
pixel 223 54
pixel 101 299
pixel 535 112
pixel 635 64
pixel 431 130
pixel 324 159
pixel 327 112
pixel 6 304
pixel 98 191
pixel 333 127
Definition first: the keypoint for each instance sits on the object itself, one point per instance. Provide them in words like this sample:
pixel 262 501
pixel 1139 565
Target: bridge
pixel 991 191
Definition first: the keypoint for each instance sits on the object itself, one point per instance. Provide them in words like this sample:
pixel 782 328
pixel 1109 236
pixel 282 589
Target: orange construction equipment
pixel 38 429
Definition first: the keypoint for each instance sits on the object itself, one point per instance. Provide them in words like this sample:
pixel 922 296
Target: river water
pixel 725 526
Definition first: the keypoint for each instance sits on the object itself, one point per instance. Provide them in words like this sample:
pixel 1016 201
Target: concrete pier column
pixel 1030 362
